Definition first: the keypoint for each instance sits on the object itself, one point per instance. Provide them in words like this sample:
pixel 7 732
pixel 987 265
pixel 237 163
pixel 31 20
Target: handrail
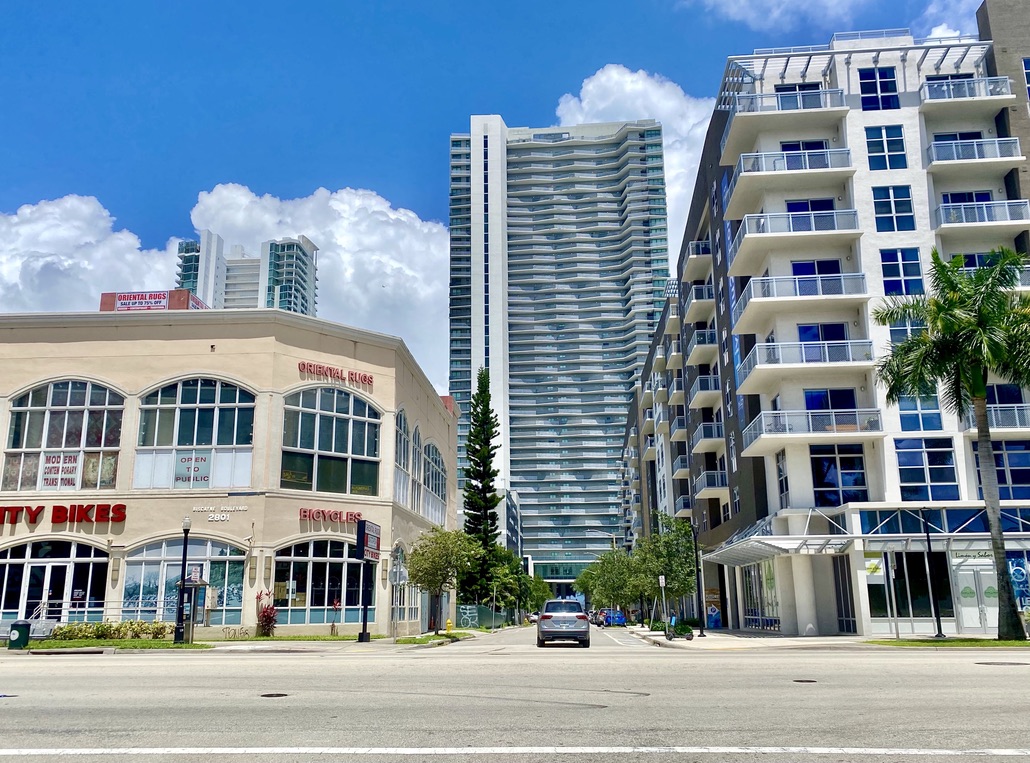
pixel 799 286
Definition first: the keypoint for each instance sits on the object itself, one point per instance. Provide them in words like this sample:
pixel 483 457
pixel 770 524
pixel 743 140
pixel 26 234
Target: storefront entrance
pixel 52 580
pixel 977 600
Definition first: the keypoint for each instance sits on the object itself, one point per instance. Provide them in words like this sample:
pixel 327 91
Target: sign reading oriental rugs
pixel 332 372
pixel 72 514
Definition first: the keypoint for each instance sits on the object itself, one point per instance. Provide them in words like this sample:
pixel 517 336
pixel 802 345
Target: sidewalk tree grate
pixel 275 695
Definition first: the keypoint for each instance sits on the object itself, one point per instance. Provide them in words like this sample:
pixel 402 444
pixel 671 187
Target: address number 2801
pixel 217 517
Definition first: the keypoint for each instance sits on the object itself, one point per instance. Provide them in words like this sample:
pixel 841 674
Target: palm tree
pixel 974 325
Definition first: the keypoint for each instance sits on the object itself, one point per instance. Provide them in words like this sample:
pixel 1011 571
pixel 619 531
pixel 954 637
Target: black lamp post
pixel 180 619
pixel 697 583
pixel 929 577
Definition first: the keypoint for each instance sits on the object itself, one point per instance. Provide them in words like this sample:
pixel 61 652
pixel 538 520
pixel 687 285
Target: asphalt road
pixel 500 698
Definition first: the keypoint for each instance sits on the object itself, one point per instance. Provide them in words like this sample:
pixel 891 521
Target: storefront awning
pixel 757 548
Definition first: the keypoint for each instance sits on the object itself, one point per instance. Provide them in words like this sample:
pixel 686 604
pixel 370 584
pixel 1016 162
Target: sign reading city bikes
pixel 332 372
pixel 72 514
pixel 368 540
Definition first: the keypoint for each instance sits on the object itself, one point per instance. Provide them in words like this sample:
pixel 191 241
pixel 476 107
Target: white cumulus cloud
pixel 770 15
pixel 379 268
pixel 614 93
pixel 60 255
pixel 947 18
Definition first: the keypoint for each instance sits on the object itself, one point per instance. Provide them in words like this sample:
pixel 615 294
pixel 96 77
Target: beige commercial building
pixel 273 432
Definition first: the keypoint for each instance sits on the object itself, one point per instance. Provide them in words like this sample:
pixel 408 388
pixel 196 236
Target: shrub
pixel 657 625
pixel 159 630
pixel 137 628
pixel 268 618
pixel 682 629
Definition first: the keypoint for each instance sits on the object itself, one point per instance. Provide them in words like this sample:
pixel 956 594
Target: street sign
pixel 194 573
pixel 661 581
pixel 398 576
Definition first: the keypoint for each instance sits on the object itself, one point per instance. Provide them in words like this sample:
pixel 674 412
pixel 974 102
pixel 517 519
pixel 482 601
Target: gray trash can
pixel 19 636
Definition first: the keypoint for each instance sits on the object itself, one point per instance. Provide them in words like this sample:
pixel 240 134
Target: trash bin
pixel 19 636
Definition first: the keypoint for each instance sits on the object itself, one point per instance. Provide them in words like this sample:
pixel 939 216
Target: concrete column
pixel 804 584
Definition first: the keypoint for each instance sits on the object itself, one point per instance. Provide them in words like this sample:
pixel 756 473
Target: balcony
pixel 760 234
pixel 985 219
pixel 763 298
pixel 1006 421
pixel 757 174
pixel 683 508
pixel 647 427
pixel 661 420
pixel 754 113
pixel 649 448
pixel 707 437
pixel 960 158
pixel 632 457
pixel 676 393
pixel 771 430
pixel 703 347
pixel 658 361
pixel 700 303
pixel 681 468
pixel 674 354
pixel 679 429
pixel 768 365
pixel 661 391
pixel 705 392
pixel 976 98
pixel 711 484
pixel 672 317
pixel 647 394
pixel 698 262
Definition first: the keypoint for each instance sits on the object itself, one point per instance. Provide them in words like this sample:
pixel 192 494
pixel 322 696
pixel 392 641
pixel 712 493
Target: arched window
pixel 330 443
pixel 152 580
pixel 53 580
pixel 197 433
pixel 416 472
pixel 435 480
pixel 402 461
pixel 318 581
pixel 64 436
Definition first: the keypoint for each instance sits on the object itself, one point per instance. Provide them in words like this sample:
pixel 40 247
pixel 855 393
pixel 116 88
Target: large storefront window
pixel 761 604
pixel 330 443
pixel 402 462
pixel 195 434
pixel 909 596
pixel 317 581
pixel 152 580
pixel 52 580
pixel 64 436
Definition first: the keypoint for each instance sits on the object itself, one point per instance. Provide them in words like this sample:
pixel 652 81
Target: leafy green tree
pixel 668 552
pixel 612 580
pixel 539 593
pixel 481 498
pixel 976 325
pixel 437 558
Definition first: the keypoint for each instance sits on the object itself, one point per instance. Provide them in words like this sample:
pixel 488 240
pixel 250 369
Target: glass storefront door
pixel 52 580
pixel 46 591
pixel 977 600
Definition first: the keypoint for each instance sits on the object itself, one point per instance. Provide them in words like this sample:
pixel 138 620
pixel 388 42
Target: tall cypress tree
pixel 480 499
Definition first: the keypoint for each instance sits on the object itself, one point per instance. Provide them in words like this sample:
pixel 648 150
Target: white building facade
pixel 558 269
pixel 829 174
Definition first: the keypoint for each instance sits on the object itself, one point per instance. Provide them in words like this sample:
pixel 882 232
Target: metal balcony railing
pixel 789 161
pixel 699 247
pixel 708 430
pixel 783 353
pixel 800 286
pixel 984 212
pixel 968 150
pixel 698 293
pixel 703 337
pixel 958 89
pixel 841 421
pixel 794 222
pixel 1003 417
pixel 683 503
pixel 678 423
pixel 707 383
pixel 753 103
pixel 710 479
pixel 681 462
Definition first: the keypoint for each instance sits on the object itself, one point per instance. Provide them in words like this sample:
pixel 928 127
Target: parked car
pixel 611 617
pixel 563 620
pixel 534 617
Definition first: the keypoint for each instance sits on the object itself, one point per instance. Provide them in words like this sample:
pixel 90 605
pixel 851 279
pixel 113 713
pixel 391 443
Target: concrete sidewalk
pixel 725 640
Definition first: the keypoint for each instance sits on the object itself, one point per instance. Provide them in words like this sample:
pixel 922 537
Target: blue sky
pixel 117 115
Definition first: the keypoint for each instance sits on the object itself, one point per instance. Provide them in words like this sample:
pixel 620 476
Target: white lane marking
pixel 632 641
pixel 472 751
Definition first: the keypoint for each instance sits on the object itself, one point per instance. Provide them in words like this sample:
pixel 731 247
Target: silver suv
pixel 563 620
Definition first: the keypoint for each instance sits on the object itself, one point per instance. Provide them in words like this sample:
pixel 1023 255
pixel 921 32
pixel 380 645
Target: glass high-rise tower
pixel 559 262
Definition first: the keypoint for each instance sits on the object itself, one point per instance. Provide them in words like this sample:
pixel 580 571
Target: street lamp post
pixel 698 583
pixel 929 582
pixel 180 619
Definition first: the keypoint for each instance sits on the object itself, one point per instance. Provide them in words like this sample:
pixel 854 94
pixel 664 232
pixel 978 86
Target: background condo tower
pixel 559 262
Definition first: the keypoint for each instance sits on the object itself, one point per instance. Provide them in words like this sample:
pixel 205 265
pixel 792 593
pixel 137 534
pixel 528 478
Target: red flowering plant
pixel 336 613
pixel 267 616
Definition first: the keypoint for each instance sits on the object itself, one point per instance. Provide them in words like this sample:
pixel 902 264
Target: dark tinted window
pixel 563 606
